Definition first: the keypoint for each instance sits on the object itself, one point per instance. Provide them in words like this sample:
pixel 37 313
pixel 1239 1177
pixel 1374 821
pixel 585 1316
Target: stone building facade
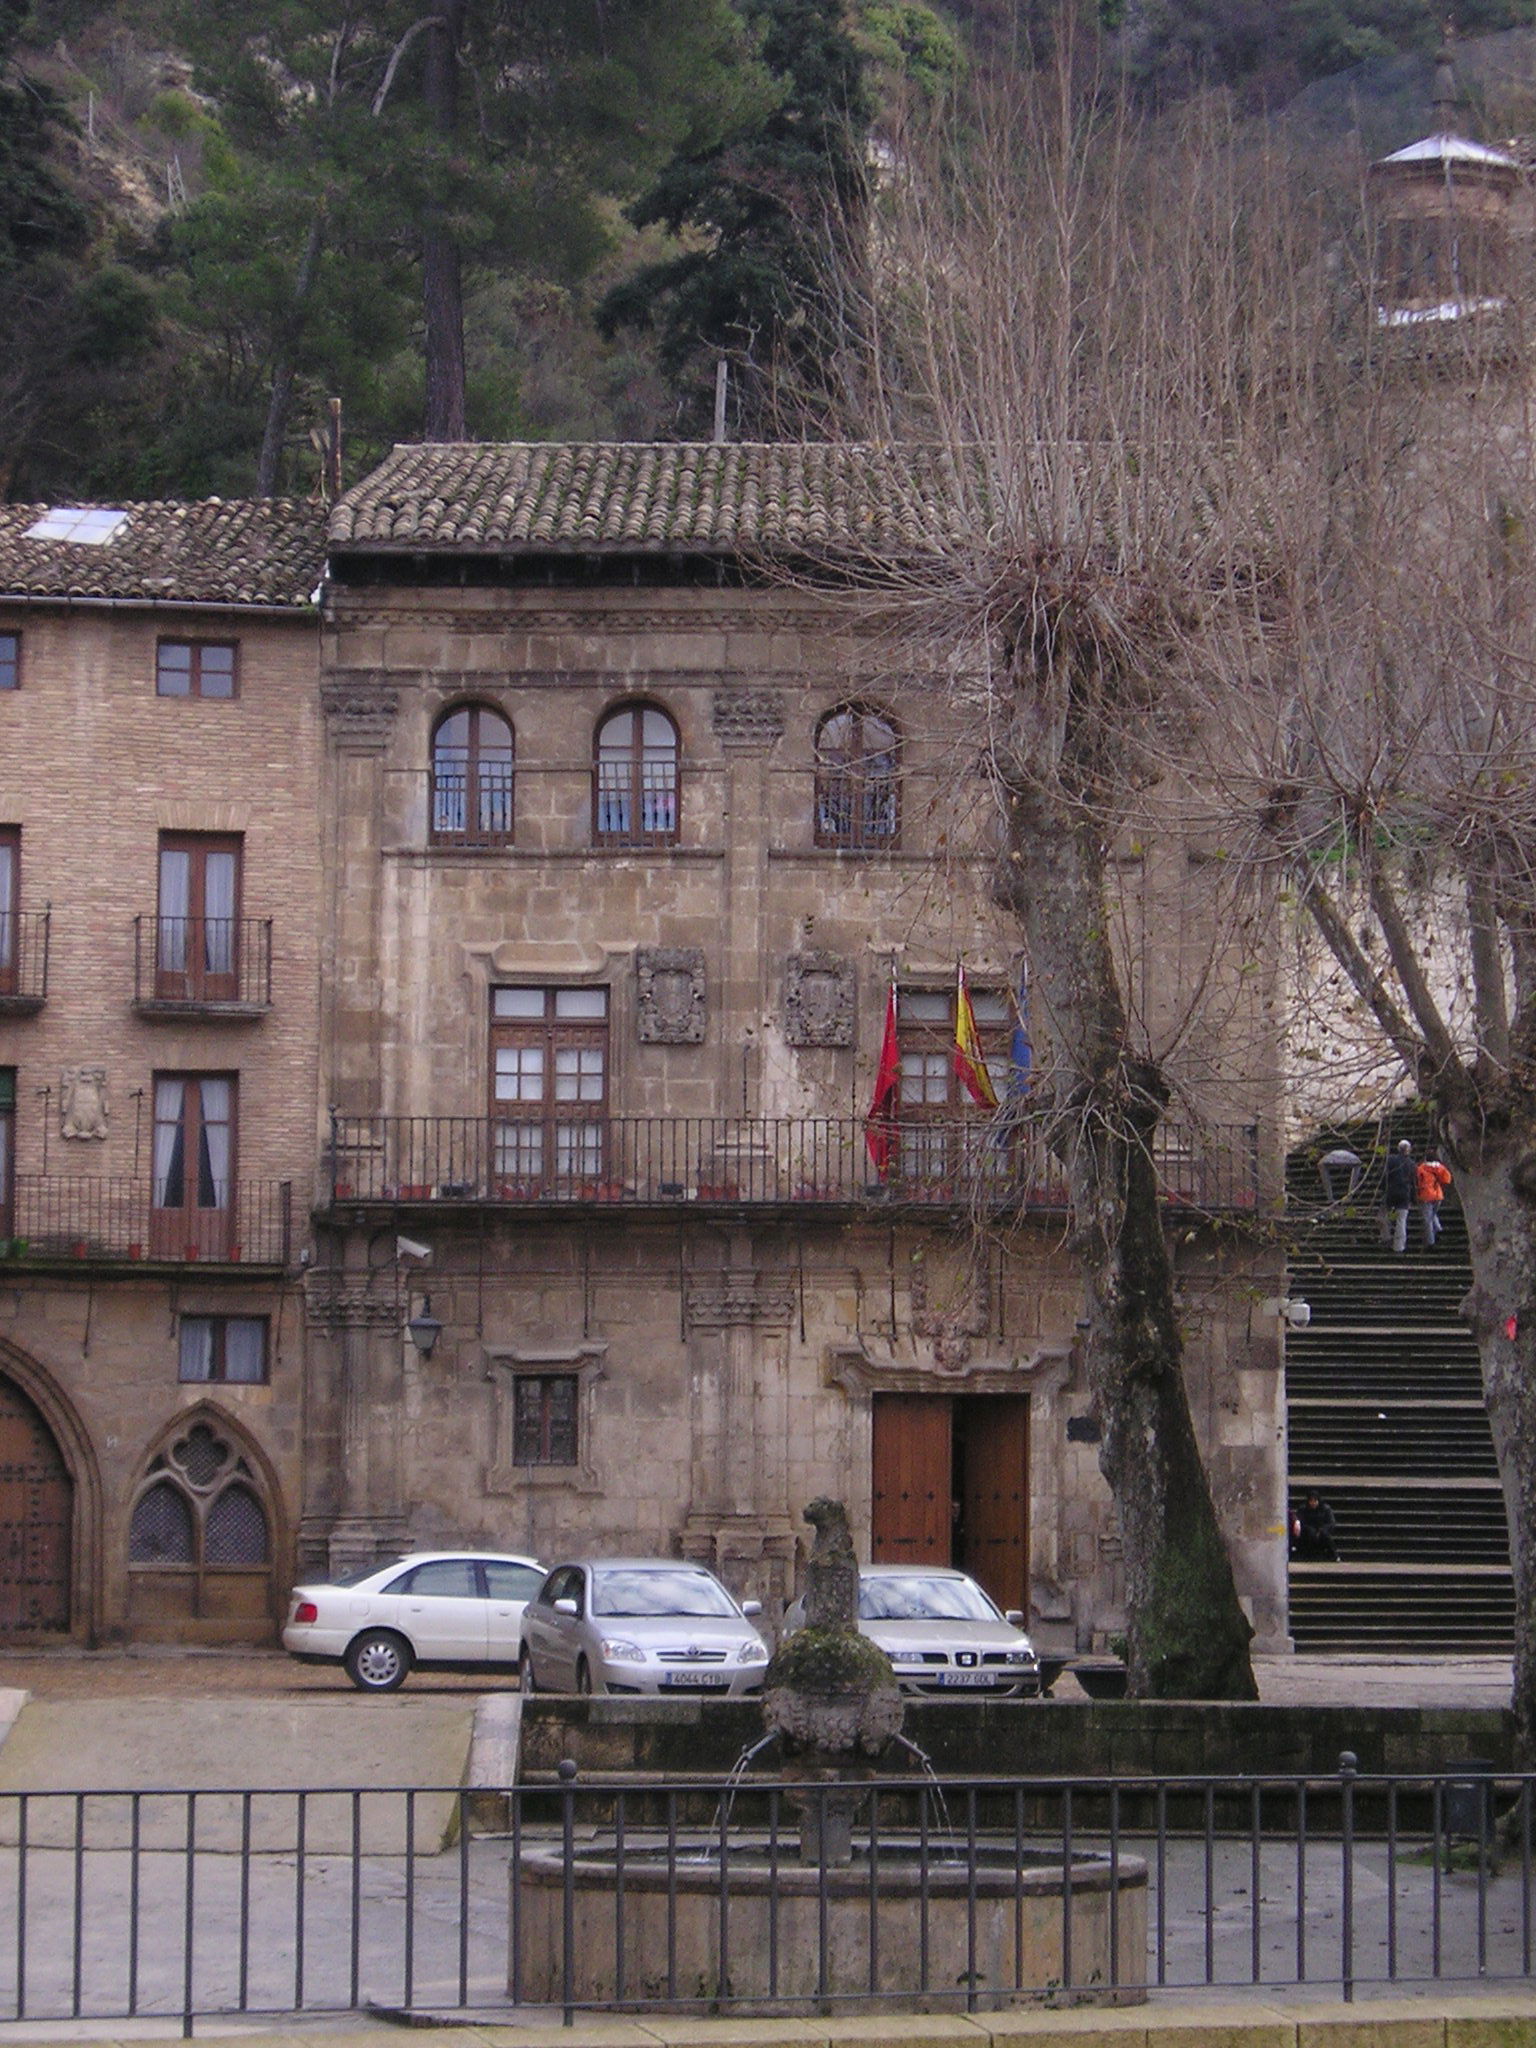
pixel 159 946
pixel 490 918
pixel 629 847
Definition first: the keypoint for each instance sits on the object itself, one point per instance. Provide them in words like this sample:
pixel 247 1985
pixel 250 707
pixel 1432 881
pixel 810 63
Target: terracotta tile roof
pixel 240 551
pixel 694 498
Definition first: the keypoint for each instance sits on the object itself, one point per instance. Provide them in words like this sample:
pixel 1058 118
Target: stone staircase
pixel 1386 1422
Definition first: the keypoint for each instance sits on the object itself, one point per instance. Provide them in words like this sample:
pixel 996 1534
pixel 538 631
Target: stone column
pixel 360 708
pixel 355 1506
pixel 739 1521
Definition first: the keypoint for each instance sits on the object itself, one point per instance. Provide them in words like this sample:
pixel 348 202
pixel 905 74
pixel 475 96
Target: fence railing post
pixel 567 1775
pixel 1348 1769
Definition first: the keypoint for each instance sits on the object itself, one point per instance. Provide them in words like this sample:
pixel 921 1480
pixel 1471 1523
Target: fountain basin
pixel 759 1943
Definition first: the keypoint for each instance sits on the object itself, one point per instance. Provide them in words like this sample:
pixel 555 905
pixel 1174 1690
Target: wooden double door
pixel 951 1486
pixel 36 1516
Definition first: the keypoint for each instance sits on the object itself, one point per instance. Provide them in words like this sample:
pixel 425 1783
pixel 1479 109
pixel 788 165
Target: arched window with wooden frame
pixel 472 760
pixel 200 1548
pixel 857 778
pixel 636 778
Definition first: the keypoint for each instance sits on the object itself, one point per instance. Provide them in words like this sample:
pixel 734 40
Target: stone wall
pixel 727 1363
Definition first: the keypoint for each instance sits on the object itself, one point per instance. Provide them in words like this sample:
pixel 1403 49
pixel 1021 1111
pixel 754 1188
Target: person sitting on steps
pixel 1312 1531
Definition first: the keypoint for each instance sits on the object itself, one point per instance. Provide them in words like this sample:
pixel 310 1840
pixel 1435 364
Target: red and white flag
pixel 880 1123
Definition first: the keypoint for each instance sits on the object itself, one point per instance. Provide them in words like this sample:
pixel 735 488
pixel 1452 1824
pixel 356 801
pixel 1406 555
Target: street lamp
pixel 424 1329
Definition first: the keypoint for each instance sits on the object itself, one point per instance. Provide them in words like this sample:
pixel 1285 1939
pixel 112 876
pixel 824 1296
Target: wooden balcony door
pixel 194 1167
pixel 197 927
pixel 10 900
pixel 549 1089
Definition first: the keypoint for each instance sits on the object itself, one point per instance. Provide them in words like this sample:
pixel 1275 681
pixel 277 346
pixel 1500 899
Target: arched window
pixel 856 778
pixel 472 778
pixel 635 781
pixel 199 1540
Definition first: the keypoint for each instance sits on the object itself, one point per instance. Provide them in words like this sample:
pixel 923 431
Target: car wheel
pixel 526 1683
pixel 378 1660
pixel 583 1675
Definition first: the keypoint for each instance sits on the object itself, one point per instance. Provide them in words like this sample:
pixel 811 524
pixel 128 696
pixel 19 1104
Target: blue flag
pixel 1021 1056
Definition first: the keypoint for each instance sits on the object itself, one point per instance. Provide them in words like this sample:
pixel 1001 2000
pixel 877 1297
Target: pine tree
pixel 772 211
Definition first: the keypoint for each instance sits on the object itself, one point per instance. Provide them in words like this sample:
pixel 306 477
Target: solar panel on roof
pixel 86 525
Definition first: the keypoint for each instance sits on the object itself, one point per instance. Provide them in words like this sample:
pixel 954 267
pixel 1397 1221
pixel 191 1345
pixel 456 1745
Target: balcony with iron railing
pixel 559 810
pixel 752 1162
pixel 209 967
pixel 114 1220
pixel 24 937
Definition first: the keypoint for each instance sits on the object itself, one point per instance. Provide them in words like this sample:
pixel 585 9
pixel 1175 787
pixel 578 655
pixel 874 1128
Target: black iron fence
pixel 115 1219
pixel 619 1161
pixel 602 1895
pixel 24 940
pixel 203 963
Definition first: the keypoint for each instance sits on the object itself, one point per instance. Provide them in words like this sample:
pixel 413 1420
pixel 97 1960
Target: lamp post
pixel 424 1329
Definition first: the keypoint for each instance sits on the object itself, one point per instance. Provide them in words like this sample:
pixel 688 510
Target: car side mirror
pixel 567 1606
pixel 1014 1617
pixel 751 1609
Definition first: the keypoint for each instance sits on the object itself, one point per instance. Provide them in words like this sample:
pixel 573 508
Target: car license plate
pixel 965 1677
pixel 697 1678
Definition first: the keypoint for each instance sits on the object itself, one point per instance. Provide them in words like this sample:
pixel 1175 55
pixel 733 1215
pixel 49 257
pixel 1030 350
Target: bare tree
pixel 1092 328
pixel 1387 749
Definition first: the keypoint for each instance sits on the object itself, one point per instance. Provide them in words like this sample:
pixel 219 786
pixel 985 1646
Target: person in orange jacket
pixel 1431 1179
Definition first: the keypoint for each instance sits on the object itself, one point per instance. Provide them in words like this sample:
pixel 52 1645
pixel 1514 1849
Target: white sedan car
pixel 461 1609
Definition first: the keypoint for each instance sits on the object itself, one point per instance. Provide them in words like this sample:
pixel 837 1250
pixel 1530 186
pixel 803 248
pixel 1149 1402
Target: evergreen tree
pixel 771 211
pixel 375 145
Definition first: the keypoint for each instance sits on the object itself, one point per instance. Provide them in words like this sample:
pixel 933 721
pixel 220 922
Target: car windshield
pixel 919 1596
pixel 621 1592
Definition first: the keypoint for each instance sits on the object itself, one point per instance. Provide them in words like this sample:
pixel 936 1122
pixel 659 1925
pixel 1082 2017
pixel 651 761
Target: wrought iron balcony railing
pixel 112 1220
pixel 215 965
pixel 23 959
pixel 753 1161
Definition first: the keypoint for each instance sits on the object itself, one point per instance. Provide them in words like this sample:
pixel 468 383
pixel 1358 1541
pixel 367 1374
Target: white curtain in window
pixel 245 1350
pixel 7 905
pixel 196 1348
pixel 219 913
pixel 169 1153
pixel 213 1160
pixel 175 900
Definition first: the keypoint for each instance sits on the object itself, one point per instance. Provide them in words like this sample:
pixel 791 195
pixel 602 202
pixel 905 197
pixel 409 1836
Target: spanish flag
pixel 969 1064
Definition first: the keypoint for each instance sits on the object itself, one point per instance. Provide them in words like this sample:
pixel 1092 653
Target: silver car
pixel 639 1624
pixel 941 1632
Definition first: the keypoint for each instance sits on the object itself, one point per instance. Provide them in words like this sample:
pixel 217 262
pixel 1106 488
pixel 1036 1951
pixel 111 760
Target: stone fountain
pixel 831 1697
pixel 871 1915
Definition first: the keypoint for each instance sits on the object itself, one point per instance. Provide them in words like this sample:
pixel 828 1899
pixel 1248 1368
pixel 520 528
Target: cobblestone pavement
pixel 158 1673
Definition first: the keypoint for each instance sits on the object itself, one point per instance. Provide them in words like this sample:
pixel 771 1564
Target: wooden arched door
pixel 37 1499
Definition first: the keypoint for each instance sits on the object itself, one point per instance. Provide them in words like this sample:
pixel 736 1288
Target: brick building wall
pixel 96 1286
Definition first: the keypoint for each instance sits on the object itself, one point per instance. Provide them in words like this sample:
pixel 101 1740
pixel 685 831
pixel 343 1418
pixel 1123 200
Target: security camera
pixel 408 1248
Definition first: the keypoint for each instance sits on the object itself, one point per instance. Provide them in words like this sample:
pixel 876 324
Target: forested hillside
pixel 546 220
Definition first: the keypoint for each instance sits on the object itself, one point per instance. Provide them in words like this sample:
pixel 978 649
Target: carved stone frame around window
pixel 505 1364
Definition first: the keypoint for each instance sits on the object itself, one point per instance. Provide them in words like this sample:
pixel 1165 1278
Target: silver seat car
pixel 639 1624
pixel 942 1633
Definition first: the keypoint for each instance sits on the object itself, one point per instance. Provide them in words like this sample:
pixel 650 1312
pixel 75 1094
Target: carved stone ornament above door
pixel 670 1006
pixel 818 999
